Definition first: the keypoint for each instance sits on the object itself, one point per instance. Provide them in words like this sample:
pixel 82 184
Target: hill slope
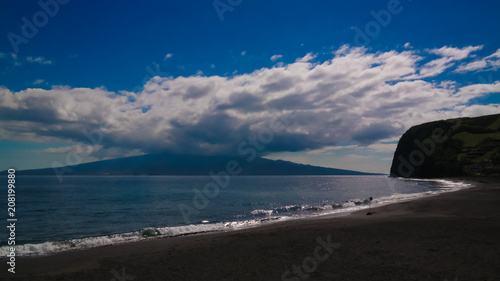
pixel 172 164
pixel 449 148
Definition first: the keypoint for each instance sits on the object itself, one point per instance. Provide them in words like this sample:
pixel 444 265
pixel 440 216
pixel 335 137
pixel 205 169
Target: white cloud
pixel 356 97
pixel 357 156
pixel 329 149
pixel 243 53
pixel 307 58
pixel 455 53
pixel 40 60
pixel 475 65
pixel 38 81
pixel 64 149
pixel 373 148
pixel 449 55
pixel 491 62
pixel 134 152
pixel 477 90
pixel 495 55
pixel 276 57
pixel 82 148
pixel 407 45
pixel 383 147
pixel 167 56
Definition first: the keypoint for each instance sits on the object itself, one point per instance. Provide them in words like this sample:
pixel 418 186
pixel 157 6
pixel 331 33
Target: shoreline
pixel 61 246
pixel 271 249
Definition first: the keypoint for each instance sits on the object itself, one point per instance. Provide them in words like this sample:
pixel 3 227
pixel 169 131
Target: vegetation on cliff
pixel 448 148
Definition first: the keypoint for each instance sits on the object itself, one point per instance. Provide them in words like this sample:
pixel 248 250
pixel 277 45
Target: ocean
pixel 89 211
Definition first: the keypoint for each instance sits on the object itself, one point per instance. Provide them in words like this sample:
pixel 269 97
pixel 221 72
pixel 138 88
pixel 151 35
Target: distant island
pixel 449 148
pixel 174 164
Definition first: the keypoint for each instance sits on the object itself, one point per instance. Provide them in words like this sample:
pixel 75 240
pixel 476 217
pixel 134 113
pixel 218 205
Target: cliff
pixel 448 148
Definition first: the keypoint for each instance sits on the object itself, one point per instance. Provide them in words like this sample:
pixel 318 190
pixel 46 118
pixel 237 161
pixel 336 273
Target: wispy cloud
pixel 307 58
pixel 40 60
pixel 276 57
pixel 38 81
pixel 455 53
pixel 167 56
pixel 449 56
pixel 19 60
pixel 491 62
pixel 11 58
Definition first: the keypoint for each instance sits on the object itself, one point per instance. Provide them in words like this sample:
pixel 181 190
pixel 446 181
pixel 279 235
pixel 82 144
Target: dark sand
pixel 453 236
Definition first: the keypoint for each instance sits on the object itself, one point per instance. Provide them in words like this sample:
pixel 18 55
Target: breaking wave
pixel 261 216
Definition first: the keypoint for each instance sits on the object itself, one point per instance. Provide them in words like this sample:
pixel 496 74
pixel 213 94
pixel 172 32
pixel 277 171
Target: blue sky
pixel 88 63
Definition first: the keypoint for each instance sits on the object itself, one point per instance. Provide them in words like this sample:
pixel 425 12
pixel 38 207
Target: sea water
pixel 87 211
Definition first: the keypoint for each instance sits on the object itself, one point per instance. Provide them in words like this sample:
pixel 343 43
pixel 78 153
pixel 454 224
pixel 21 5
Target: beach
pixel 450 236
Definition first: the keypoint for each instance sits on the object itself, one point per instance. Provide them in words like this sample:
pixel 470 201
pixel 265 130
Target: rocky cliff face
pixel 449 148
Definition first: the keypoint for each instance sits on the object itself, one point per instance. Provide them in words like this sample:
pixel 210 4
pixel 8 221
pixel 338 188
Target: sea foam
pixel 262 216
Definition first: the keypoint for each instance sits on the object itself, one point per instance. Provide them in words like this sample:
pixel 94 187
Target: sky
pixel 83 81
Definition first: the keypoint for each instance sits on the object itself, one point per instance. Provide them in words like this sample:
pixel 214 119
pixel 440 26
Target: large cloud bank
pixel 357 96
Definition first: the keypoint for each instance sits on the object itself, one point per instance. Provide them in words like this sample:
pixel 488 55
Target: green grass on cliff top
pixel 479 141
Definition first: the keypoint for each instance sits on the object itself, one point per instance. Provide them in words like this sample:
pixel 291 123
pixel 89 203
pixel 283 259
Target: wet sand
pixel 451 236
